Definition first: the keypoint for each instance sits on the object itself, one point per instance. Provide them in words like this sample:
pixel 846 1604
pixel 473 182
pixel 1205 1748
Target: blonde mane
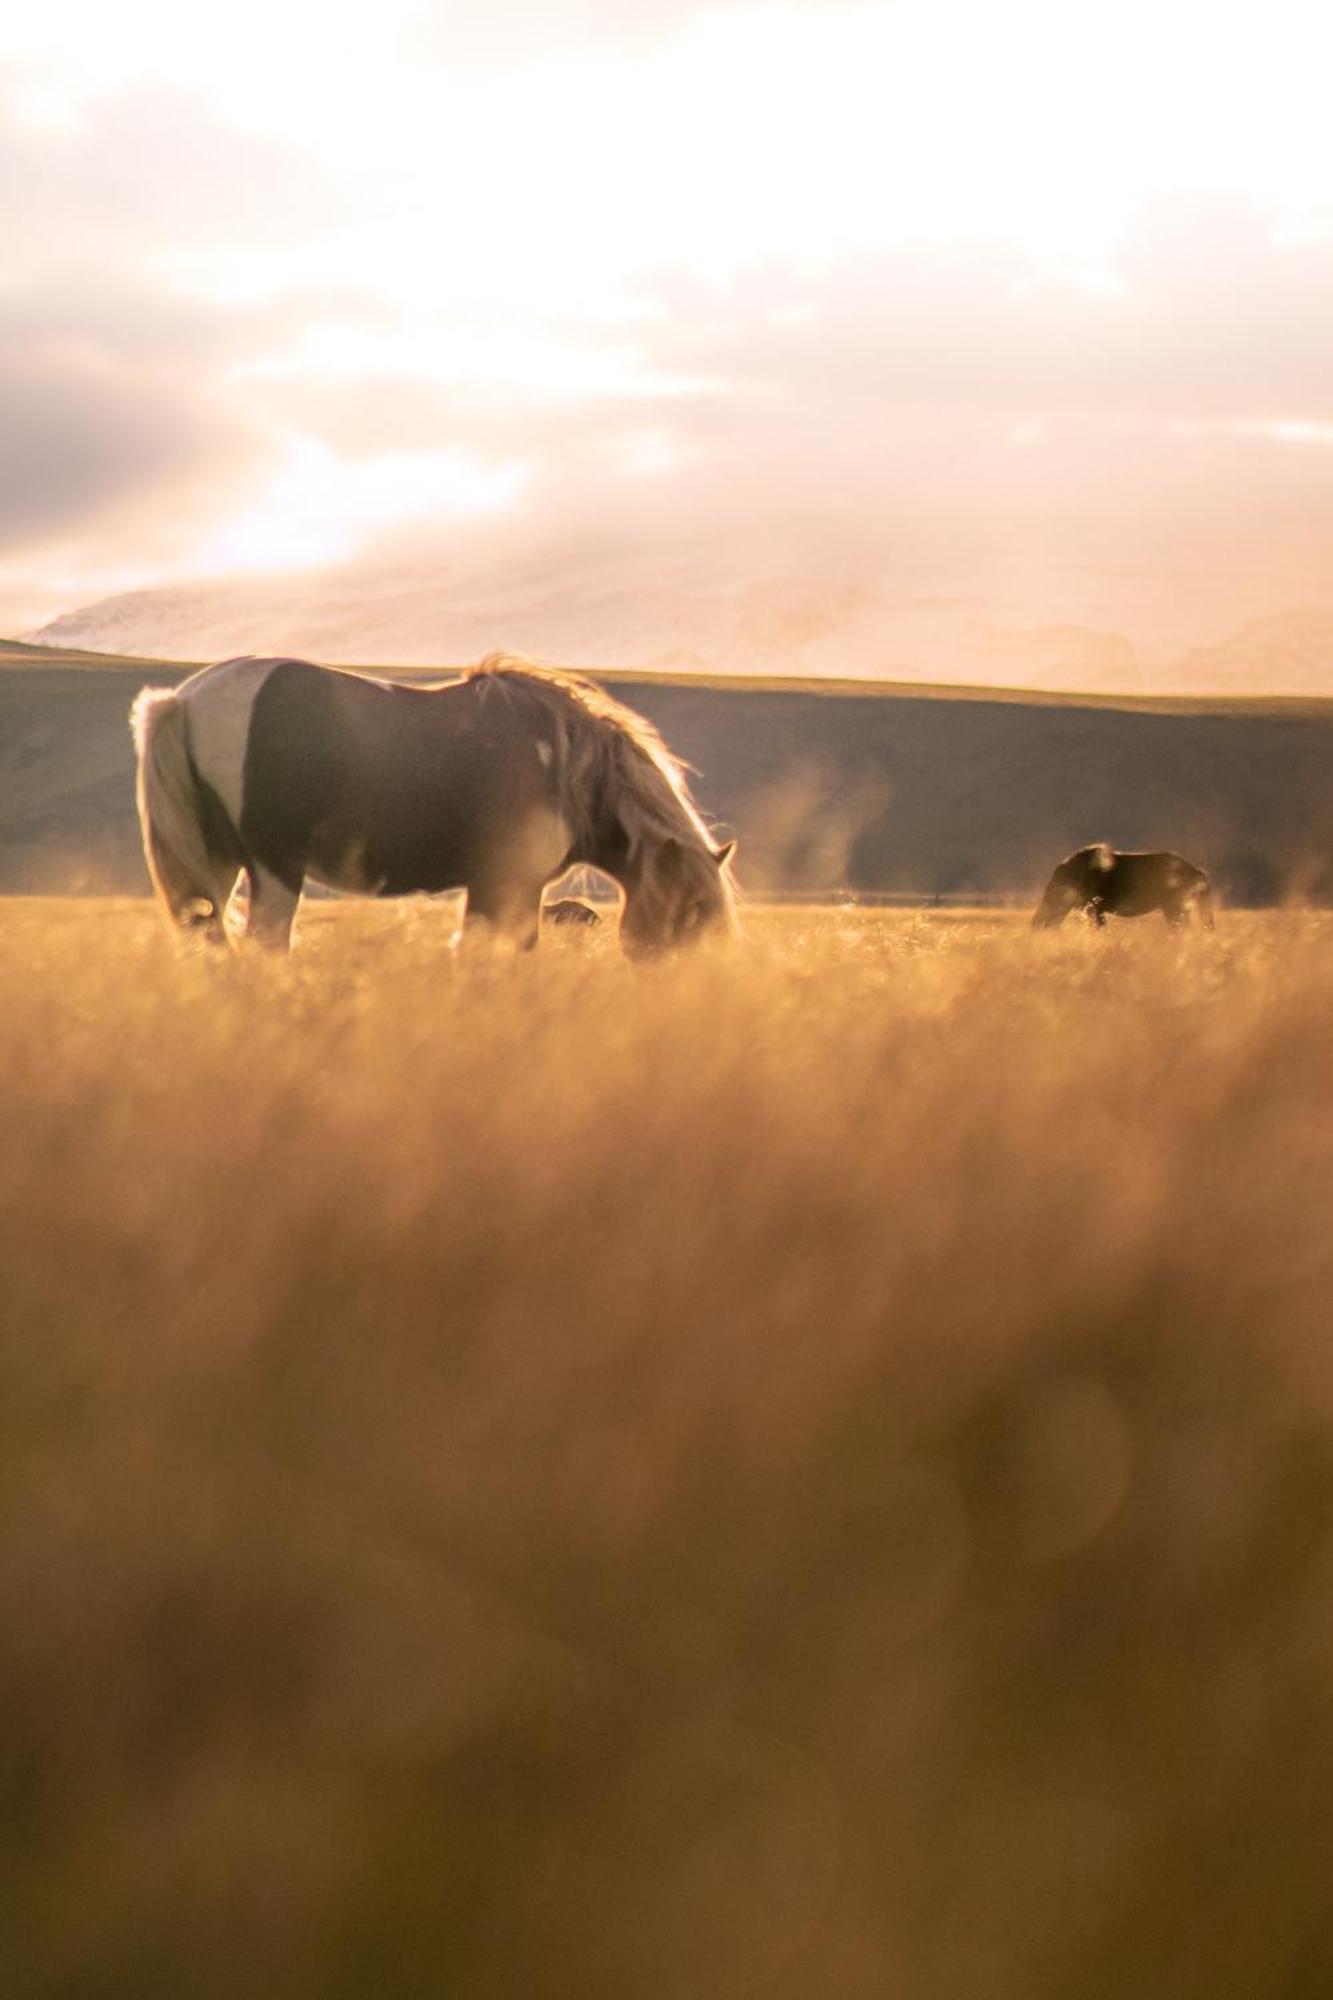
pixel 604 753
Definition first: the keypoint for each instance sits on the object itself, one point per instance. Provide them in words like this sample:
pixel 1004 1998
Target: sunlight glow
pixel 547 367
pixel 318 507
pixel 751 131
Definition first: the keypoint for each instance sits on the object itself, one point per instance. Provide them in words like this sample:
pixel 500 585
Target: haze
pixel 938 338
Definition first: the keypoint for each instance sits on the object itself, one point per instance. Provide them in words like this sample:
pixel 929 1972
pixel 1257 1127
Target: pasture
pixel 804 1470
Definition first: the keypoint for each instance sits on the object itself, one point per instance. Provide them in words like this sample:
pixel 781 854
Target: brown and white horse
pixel 1103 882
pixel 493 783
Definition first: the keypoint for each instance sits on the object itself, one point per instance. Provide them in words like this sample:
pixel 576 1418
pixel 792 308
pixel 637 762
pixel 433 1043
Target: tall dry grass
pixel 802 1473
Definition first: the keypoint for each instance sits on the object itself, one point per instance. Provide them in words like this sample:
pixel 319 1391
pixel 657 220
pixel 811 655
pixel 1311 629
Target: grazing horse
pixel 494 783
pixel 1101 882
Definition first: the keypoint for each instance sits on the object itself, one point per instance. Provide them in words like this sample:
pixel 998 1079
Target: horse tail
pixel 185 870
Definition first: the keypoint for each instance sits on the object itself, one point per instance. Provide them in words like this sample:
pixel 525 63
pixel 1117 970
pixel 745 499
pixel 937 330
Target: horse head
pixel 1064 892
pixel 677 893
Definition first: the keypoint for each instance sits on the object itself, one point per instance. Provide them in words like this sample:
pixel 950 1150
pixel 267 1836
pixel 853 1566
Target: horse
pixel 494 783
pixel 570 912
pixel 1103 882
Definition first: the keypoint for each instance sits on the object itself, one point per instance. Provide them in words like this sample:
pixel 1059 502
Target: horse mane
pixel 607 758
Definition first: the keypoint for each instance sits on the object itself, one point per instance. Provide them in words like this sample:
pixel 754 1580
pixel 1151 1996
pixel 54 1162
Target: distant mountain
pixel 703 613
pixel 1291 653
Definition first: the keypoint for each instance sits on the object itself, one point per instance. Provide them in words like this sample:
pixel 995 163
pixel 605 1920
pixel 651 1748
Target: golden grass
pixel 803 1472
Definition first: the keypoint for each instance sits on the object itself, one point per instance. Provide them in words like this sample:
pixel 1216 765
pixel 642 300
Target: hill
pixel 693 611
pixel 873 787
pixel 749 608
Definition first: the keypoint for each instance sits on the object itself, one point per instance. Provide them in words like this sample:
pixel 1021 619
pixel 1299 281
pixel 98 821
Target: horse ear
pixel 722 855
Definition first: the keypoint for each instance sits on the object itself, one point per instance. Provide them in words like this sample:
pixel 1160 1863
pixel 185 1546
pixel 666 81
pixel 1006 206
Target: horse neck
pixel 621 833
pixel 629 860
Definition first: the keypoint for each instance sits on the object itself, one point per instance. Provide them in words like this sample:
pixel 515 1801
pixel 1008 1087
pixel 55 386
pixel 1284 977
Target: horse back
pixel 1144 881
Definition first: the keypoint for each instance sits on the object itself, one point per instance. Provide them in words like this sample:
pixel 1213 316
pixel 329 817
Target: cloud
pixel 955 374
pixel 959 413
pixel 118 417
pixel 1209 321
pixel 1151 456
pixel 514 31
pixel 85 436
pixel 1204 315
pixel 147 171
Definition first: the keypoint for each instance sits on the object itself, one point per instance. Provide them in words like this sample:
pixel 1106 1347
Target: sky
pixel 1033 298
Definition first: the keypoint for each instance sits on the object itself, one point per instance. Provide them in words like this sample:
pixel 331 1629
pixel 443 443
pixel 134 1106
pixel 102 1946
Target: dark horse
pixel 1101 882
pixel 494 783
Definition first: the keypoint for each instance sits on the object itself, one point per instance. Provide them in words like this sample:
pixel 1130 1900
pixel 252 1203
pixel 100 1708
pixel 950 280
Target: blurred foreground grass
pixel 806 1472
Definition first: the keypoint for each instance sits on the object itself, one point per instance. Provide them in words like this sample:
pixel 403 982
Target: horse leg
pixel 508 915
pixel 520 933
pixel 273 901
pixel 505 891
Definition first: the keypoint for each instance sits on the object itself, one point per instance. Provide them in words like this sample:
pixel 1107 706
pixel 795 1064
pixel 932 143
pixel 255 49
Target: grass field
pixel 803 1472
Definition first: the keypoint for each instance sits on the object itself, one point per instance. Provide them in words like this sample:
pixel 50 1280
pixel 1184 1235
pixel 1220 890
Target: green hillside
pixel 873 787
